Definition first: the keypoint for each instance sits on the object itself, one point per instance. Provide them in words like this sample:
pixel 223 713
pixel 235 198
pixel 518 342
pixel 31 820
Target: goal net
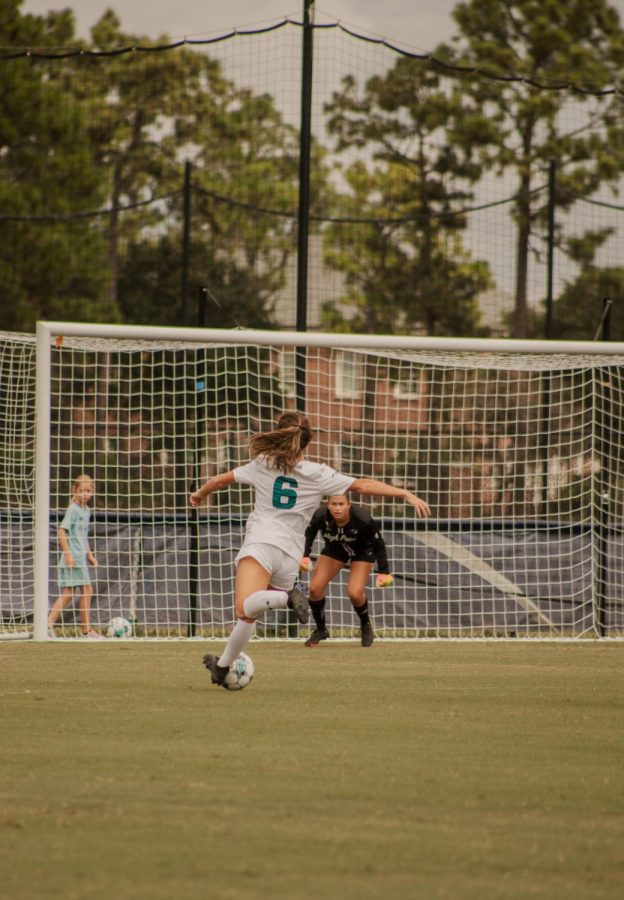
pixel 515 445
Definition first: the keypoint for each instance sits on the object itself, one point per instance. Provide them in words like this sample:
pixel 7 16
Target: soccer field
pixel 404 771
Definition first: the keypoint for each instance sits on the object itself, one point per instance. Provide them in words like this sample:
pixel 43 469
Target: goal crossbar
pixel 204 336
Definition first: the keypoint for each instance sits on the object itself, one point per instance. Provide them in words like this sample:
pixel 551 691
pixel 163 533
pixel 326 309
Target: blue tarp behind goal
pixel 449 579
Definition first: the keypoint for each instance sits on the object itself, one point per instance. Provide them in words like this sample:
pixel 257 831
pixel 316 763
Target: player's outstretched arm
pixel 372 488
pixel 216 483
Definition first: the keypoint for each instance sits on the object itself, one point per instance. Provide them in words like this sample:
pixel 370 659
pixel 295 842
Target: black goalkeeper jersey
pixel 358 539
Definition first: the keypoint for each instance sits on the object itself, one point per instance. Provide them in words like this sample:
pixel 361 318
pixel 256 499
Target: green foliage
pixel 150 294
pixel 549 47
pixel 155 112
pixel 405 269
pixel 112 134
pixel 579 308
pixel 46 161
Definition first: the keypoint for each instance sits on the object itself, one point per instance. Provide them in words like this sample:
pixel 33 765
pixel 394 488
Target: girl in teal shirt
pixel 73 535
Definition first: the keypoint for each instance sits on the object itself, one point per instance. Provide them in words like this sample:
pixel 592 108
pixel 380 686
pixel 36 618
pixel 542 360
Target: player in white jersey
pixel 288 489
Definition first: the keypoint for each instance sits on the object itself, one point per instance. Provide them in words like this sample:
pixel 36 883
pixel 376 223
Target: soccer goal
pixel 516 446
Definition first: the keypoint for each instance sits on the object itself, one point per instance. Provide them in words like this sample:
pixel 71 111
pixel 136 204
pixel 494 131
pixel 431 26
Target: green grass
pixel 404 771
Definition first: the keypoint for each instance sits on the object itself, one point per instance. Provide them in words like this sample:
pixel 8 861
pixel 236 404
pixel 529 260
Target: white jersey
pixel 284 504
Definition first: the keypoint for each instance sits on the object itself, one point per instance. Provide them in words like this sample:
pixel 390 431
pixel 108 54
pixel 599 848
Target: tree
pixel 55 267
pixel 245 177
pixel 534 52
pixel 405 267
pixel 400 276
pixel 153 112
pixel 579 307
pixel 149 286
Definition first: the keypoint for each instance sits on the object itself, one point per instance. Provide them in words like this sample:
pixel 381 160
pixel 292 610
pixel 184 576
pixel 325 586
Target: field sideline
pixel 404 771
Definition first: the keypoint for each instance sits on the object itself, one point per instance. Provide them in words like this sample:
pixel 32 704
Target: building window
pixel 407 388
pixel 347 456
pixel 286 372
pixel 348 377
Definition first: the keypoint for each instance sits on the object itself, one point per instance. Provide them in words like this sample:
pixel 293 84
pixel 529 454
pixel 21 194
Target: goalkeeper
pixel 351 537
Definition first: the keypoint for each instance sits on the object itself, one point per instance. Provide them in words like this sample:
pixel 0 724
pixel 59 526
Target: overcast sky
pixel 416 24
pixel 420 24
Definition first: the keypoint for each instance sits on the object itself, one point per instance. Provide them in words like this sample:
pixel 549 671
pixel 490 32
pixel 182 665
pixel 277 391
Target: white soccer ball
pixel 240 674
pixel 119 628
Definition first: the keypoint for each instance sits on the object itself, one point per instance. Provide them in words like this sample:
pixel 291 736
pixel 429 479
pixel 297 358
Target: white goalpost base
pixel 515 445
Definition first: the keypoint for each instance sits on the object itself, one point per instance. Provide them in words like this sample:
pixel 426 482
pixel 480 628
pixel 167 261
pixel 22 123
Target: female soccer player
pixel 351 537
pixel 288 489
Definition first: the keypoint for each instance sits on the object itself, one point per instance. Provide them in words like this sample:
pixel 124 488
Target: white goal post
pixel 515 444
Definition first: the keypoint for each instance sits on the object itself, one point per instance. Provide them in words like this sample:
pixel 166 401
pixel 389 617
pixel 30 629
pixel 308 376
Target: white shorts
pixel 283 568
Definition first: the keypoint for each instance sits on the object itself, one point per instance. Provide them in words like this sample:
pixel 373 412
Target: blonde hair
pixel 284 446
pixel 79 479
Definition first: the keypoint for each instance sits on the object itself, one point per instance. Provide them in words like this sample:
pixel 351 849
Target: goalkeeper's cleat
pixel 318 635
pixel 367 635
pixel 217 672
pixel 298 602
pixel 92 635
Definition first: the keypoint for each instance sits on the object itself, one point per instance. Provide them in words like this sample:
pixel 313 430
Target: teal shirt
pixel 76 524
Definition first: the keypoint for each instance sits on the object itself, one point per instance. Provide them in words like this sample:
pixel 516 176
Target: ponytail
pixel 284 446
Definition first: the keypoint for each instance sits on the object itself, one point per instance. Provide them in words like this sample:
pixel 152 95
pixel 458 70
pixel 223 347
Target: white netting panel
pixel 520 457
pixel 503 361
pixel 17 459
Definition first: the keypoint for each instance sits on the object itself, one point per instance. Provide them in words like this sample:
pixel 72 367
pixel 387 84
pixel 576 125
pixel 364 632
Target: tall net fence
pixel 133 176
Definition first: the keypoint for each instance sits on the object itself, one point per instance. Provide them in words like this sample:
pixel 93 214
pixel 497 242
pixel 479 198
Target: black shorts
pixel 338 552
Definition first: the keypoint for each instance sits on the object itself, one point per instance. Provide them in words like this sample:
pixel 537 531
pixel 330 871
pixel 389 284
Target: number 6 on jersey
pixel 285 497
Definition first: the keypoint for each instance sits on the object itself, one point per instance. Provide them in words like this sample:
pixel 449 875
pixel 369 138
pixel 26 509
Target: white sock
pixel 258 602
pixel 237 641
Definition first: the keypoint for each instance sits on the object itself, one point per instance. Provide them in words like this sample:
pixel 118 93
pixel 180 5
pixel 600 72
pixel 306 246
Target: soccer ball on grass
pixel 119 628
pixel 240 674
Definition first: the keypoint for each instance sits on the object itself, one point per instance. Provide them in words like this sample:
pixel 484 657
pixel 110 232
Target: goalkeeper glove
pixel 306 564
pixel 384 579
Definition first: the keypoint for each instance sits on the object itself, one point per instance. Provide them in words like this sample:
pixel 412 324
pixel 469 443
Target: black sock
pixel 362 613
pixel 318 612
